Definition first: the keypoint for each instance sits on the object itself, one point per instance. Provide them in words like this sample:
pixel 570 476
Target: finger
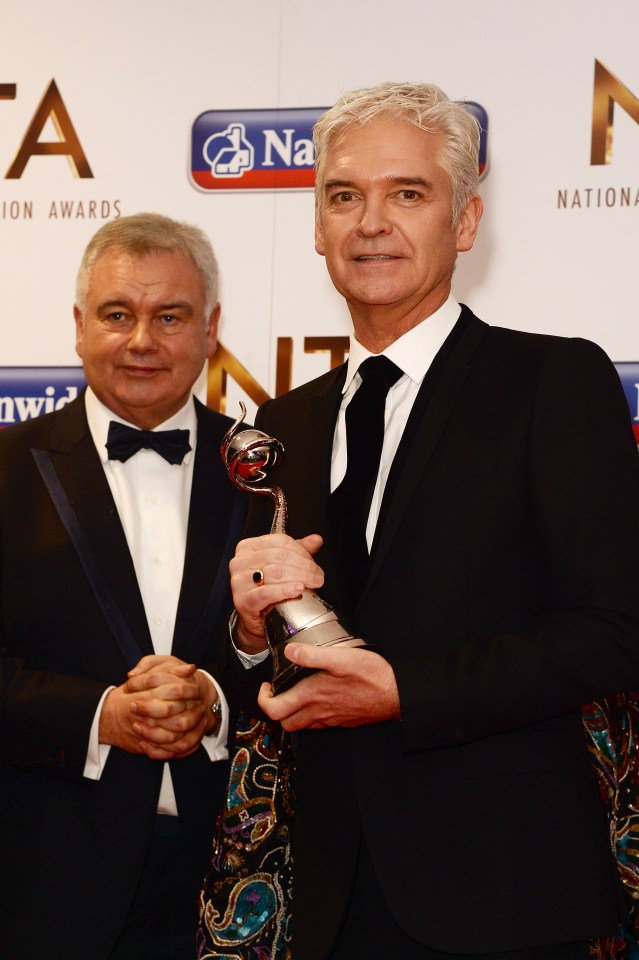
pixel 286 560
pixel 336 660
pixel 160 709
pixel 180 747
pixel 155 735
pixel 167 664
pixel 163 686
pixel 177 724
pixel 254 601
pixel 311 543
pixel 295 709
pixel 266 700
pixel 284 704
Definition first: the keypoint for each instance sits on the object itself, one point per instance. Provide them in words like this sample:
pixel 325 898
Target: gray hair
pixel 422 104
pixel 145 233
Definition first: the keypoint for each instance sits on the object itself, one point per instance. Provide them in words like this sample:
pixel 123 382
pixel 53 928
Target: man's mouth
pixel 141 370
pixel 376 256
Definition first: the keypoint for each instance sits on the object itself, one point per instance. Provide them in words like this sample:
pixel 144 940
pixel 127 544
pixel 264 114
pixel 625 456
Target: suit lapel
pixel 307 433
pixel 322 430
pixel 431 410
pixel 78 467
pixel 212 501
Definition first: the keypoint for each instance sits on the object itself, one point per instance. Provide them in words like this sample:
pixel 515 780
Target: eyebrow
pixel 392 181
pixel 161 308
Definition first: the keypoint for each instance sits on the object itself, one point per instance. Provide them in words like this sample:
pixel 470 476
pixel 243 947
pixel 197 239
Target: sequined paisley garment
pixel 612 728
pixel 245 903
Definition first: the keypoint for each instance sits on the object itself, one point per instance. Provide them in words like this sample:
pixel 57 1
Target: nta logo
pixel 608 90
pixel 51 108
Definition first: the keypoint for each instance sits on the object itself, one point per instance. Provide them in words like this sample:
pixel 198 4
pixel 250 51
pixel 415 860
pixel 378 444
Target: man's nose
pixel 375 218
pixel 142 336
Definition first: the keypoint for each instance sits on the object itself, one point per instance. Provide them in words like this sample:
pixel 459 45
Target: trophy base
pixel 290 621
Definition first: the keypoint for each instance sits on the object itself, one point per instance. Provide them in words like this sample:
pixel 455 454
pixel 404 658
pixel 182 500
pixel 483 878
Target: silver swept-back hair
pixel 144 233
pixel 422 104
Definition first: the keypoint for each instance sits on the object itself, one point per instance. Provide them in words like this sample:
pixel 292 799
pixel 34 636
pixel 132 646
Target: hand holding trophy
pixel 249 455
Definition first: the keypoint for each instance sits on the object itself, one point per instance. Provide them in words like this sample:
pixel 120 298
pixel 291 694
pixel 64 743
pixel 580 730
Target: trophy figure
pixel 249 455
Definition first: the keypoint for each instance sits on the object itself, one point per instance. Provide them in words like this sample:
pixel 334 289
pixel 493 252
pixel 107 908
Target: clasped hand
pixel 162 710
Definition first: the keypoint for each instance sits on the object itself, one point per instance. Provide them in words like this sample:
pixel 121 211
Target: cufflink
pixel 216 710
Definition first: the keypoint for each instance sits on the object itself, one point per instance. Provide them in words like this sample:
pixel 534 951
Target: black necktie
pixel 349 504
pixel 123 441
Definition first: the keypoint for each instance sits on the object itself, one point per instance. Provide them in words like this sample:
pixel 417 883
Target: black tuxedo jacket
pixel 504 590
pixel 71 849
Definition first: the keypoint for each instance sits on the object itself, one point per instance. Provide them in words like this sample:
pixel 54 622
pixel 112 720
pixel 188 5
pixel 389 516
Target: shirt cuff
pixel 215 743
pixel 97 752
pixel 247 660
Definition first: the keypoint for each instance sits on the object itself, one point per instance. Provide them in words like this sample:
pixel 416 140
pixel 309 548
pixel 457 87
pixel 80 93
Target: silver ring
pixel 258 578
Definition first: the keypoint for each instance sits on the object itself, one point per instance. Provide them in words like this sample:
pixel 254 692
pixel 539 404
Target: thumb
pixel 312 542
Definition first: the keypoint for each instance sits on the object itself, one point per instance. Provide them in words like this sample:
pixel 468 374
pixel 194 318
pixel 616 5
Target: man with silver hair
pixel 118 522
pixel 468 497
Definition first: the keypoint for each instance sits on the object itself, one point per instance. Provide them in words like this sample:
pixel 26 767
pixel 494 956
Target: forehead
pixel 384 147
pixel 158 272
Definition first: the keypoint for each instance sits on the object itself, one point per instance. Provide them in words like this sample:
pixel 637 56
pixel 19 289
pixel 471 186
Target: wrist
pixel 244 640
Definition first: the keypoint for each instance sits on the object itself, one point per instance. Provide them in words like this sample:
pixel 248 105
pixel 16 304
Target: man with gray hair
pixel 468 497
pixel 117 522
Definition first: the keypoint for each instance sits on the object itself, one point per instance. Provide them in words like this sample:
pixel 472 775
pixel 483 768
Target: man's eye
pixel 116 317
pixel 409 195
pixel 344 196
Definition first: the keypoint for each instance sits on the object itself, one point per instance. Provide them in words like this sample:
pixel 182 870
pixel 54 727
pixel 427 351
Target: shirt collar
pixel 415 350
pixel 99 417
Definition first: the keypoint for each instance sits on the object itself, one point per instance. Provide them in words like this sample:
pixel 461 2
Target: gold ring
pixel 258 578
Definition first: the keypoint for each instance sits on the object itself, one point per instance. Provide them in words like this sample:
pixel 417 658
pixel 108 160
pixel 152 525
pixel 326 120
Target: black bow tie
pixel 124 441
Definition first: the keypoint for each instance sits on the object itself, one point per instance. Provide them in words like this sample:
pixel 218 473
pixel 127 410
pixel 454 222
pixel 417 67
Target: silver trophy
pixel 249 455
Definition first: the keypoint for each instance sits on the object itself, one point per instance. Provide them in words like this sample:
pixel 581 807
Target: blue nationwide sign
pixel 629 376
pixel 254 149
pixel 270 149
pixel 27 392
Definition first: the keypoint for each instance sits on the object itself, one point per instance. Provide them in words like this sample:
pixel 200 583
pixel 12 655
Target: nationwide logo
pixel 269 149
pixel 254 149
pixel 481 117
pixel 27 392
pixel 629 376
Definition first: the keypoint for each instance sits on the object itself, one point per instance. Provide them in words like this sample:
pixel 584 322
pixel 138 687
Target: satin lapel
pixel 318 428
pixel 428 419
pixel 78 467
pixel 324 415
pixel 212 500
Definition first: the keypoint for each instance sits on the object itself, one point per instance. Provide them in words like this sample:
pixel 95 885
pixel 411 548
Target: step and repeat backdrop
pixel 203 110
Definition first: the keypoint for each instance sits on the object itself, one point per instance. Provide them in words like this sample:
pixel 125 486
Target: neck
pixel 379 325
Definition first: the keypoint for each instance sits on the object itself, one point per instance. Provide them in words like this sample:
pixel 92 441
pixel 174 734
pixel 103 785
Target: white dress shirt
pixel 413 353
pixel 152 497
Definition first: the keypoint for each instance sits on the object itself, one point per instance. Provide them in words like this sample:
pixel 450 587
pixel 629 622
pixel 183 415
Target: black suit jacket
pixel 504 590
pixel 71 849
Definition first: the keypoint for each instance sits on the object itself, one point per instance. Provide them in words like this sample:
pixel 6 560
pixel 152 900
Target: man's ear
pixel 214 320
pixel 469 224
pixel 319 237
pixel 79 330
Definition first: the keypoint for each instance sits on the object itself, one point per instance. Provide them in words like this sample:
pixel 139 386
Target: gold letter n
pixel 608 91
